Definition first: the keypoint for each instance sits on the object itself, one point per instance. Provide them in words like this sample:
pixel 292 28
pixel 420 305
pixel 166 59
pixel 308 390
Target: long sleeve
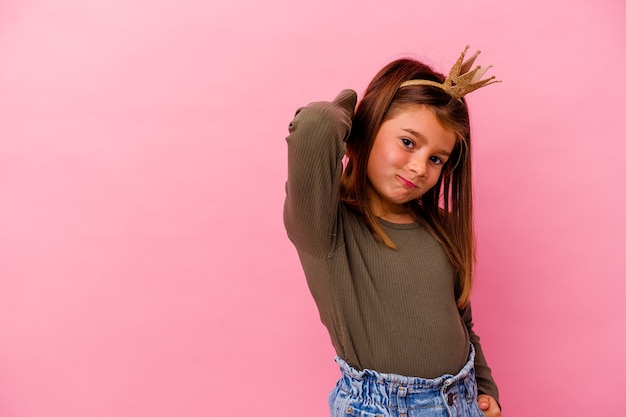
pixel 315 152
pixel 484 379
pixel 360 286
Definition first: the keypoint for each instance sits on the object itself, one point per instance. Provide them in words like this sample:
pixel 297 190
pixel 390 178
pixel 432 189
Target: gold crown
pixel 461 80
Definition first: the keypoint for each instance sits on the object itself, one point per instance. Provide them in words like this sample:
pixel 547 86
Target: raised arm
pixel 315 151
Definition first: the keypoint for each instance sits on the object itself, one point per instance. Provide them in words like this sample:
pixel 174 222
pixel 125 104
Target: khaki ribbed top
pixel 391 310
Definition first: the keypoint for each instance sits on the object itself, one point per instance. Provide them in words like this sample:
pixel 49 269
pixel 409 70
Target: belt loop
pixel 402 410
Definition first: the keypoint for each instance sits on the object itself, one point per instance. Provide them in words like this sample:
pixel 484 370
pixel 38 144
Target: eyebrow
pixel 419 135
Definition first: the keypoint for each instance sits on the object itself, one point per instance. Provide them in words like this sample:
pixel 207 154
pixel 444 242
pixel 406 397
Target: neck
pixel 394 213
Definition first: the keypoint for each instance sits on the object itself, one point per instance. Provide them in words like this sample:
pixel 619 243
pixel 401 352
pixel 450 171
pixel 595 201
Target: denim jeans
pixel 369 393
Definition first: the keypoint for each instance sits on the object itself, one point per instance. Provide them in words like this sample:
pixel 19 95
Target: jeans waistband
pixel 411 384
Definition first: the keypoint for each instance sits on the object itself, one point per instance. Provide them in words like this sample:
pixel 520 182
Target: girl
pixel 386 244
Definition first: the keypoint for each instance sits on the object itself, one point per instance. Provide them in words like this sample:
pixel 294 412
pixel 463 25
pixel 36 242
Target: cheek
pixel 395 158
pixel 433 177
pixel 376 162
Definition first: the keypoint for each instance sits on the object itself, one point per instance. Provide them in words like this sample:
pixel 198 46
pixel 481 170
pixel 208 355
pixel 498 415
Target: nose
pixel 417 166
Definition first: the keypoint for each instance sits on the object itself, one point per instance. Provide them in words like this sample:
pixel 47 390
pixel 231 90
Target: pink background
pixel 144 269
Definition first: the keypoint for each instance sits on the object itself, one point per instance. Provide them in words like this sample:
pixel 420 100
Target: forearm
pixel 484 378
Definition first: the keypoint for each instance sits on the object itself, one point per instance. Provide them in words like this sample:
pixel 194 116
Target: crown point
pixel 462 79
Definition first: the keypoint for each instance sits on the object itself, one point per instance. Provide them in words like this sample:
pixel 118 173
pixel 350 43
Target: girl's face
pixel 406 159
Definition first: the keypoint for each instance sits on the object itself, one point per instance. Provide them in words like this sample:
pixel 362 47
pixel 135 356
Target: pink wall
pixel 144 270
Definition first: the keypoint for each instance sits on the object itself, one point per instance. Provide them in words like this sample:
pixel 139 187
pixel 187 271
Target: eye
pixel 408 143
pixel 436 160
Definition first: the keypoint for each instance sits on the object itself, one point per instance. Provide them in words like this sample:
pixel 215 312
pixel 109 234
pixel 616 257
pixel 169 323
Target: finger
pixel 483 402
